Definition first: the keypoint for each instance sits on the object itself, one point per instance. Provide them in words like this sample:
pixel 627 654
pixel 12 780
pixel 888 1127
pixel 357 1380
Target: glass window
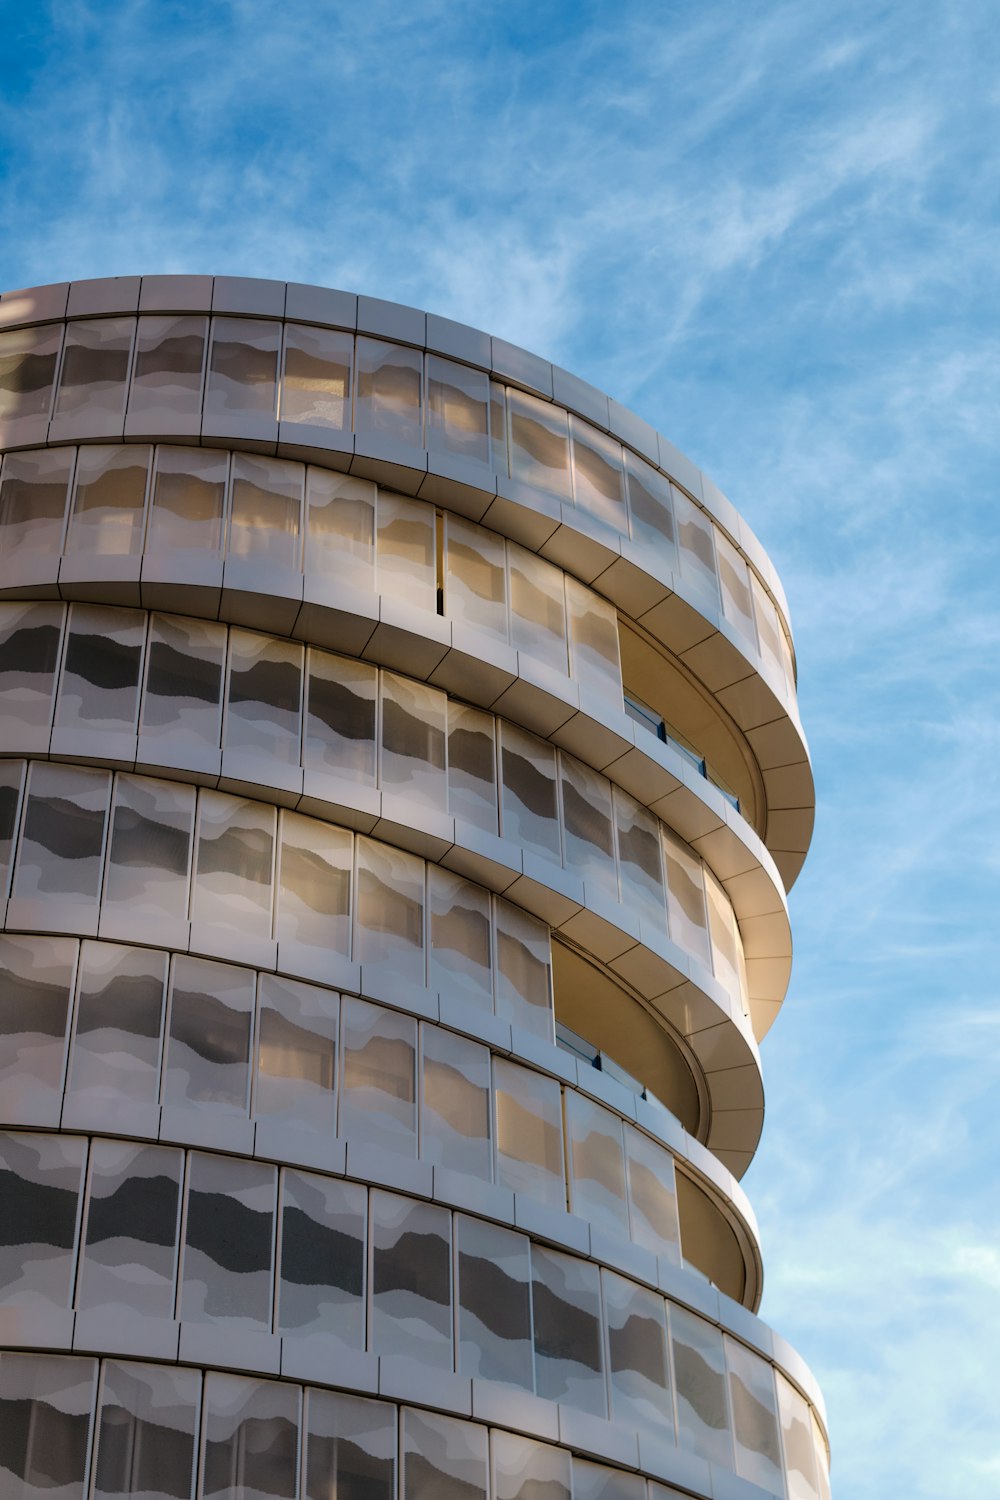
pixel 472 772
pixel 722 927
pixel 598 477
pixel 322 1286
pixel 265 517
pixel 33 502
pixel 457 398
pixel 822 1458
pixel 99 688
pixel 651 510
pixel 350 1448
pixel 30 635
pixel 108 514
pixel 687 921
pixel 94 368
pixel 755 1417
pixel 235 859
pixel 389 929
pixel 769 631
pixel 340 540
pixel 652 1194
pixel 460 938
pixel 150 857
pixel 566 1302
pixel 639 859
pixel 597 1163
pixel 340 717
pixel 529 1133
pixel 228 1241
pixel 146 1432
pixel 378 1102
pixel 797 1441
pixel 188 505
pixel 476 582
pixel 411 1279
pixel 40 1178
pixel 537 608
pixel 62 836
pixel 182 702
pixel 597 1482
pixel 589 844
pixel 27 369
pixel 314 886
pixel 735 580
pixel 406 551
pixel 443 1458
pixel 700 1373
pixel 524 1470
pixel 169 364
pixel 119 1021
pixel 696 540
pixel 297 1054
pixel 455 1103
pixel 45 1407
pixel 539 443
pixel 36 980
pixel 388 391
pixel 637 1354
pixel 11 777
pixel 494 1314
pixel 264 702
pixel 498 428
pixel 130 1239
pixel 316 378
pixel 530 814
pixel 523 969
pixel 251 1437
pixel 593 642
pixel 208 1047
pixel 243 366
pixel 413 741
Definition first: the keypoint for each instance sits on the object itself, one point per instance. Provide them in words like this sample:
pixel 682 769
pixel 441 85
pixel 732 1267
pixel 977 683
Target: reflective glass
pixel 146 1432
pixel 243 365
pixel 687 919
pixel 228 1241
pixel 406 551
pixel 29 652
pixel 524 1470
pixel 494 1293
pixel 182 701
pixel 755 1417
pixel 734 577
pixel 822 1459
pixel 251 1438
pixel 700 1374
pixel 151 827
pixel 188 501
pixel 350 1448
pixel 498 428
pixel 27 369
pixel 523 969
pixel 457 398
pixel 472 770
pixel 411 1280
pixel 651 510
pixel 169 364
pixel 769 631
pixel 722 927
pixel 340 536
pixel 314 884
pixel 696 547
pixel 264 698
pixel 476 582
pixel 40 1180
pixel 99 687
pixel 322 1287
pixel 316 377
pixel 797 1442
pixel 130 1238
pixel 539 443
pixel 36 981
pixel 378 1102
pixel 537 608
pixel 208 1047
pixel 33 494
pixel 235 859
pixel 340 716
pixel 119 1021
pixel 598 477
pixel 639 1367
pixel 108 514
pixel 596 1162
pixel 11 777
pixel 455 1103
pixel 94 368
pixel 62 836
pixel 589 842
pixel 529 1133
pixel 593 642
pixel 566 1303
pixel 45 1410
pixel 530 813
pixel 389 927
pixel 265 516
pixel 413 741
pixel 597 1482
pixel 652 1194
pixel 460 938
pixel 297 1053
pixel 443 1458
pixel 389 382
pixel 639 859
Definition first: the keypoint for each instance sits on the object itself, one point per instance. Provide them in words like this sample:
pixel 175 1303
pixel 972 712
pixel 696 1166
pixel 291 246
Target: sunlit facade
pixel 401 780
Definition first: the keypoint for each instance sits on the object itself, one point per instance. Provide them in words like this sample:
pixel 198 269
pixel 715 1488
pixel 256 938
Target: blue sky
pixel 772 229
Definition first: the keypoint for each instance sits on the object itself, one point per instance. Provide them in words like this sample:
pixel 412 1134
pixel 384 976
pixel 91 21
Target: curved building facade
pixel 401 779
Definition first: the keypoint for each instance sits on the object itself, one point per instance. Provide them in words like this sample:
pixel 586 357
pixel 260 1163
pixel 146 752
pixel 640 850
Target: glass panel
pixel 189 496
pixel 598 478
pixel 523 962
pixel 340 718
pixel 589 841
pixel 242 367
pixel 460 938
pixel 498 428
pixel 99 688
pixel 182 702
pixel 822 1459
pixel 45 1407
pixel 597 1482
pixel 455 1104
pixel 228 1241
pixel 388 391
pixel 62 837
pixel 539 443
pixel 350 1448
pixel 119 1019
pixel 700 1373
pixel 722 922
pixel 314 889
pixel 696 540
pixel 27 368
pixel 443 1458
pixel 146 1432
pixel 537 608
pixel 11 777
pixel 33 502
pixel 639 860
pixel 94 368
pixel 755 1417
pixel 378 1102
pixel 524 1470
pixel 494 1315
pixel 316 383
pixel 457 398
pixel 297 1054
pixel 208 1049
pixel 130 1241
pixel 530 816
pixel 406 551
pixel 150 857
pixel 265 517
pixel 566 1302
pixel 264 703
pixel 251 1438
pixel 476 582
pixel 797 1441
pixel 108 514
pixel 769 631
pixel 169 360
pixel 529 1133
pixel 593 632
pixel 322 1287
pixel 389 930
pixel 413 741
pixel 235 858
pixel 637 1352
pixel 40 1177
pixel 411 1279
pixel 687 921
pixel 472 772
pixel 29 652
pixel 36 978
pixel 340 542
pixel 652 1194
pixel 735 580
pixel 651 510
pixel 597 1163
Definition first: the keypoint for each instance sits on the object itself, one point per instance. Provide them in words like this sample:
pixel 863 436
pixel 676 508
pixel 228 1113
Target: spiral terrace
pixel 402 778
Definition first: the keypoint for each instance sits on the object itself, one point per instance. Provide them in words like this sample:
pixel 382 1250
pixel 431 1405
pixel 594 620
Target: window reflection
pixel 265 516
pixel 455 1103
pixel 94 369
pixel 119 1022
pixel 146 1432
pixel 350 1448
pixel 378 1102
pixel 208 1047
pixel 188 501
pixel 45 1412
pixel 99 688
pixel 443 1459
pixel 33 495
pixel 243 364
pixel 529 1133
pixel 316 379
pixel 108 514
pixel 457 398
pixel 322 1274
pixel 27 369
pixel 494 1318
pixel 389 391
pixel 30 636
pixel 251 1435
pixel 130 1239
pixel 411 1279
pixel 169 365
pixel 297 1053
pixel 40 1182
pixel 228 1242
pixel 566 1303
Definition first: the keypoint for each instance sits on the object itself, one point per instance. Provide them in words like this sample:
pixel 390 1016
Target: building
pixel 401 780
